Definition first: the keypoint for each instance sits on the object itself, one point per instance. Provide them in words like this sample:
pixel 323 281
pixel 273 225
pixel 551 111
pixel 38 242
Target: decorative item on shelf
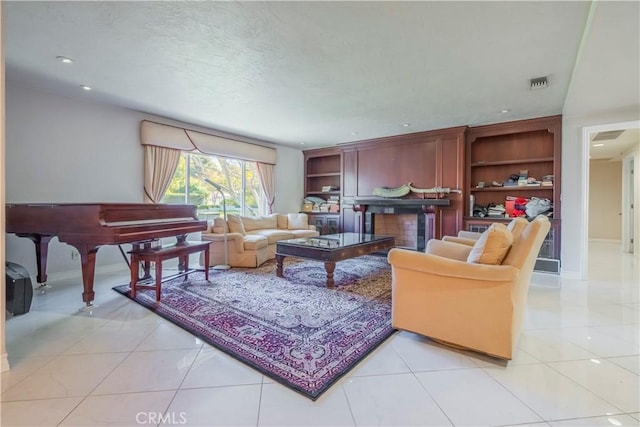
pixel 403 190
pixel 307 207
pixel 437 191
pixel 480 184
pixel 329 188
pixel 497 184
pixel 334 208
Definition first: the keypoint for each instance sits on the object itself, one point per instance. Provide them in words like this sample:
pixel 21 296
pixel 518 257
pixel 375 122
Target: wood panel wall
pixel 426 159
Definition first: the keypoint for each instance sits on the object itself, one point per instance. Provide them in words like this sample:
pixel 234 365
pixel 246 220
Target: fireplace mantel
pixel 381 201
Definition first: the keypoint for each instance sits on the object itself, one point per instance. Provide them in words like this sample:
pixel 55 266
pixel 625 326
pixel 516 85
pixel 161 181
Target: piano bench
pixel 180 250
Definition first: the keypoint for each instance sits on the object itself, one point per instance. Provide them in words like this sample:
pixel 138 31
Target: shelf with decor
pixel 527 151
pixel 322 172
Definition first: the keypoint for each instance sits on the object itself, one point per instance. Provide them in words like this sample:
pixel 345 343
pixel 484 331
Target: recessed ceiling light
pixel 354 133
pixel 598 145
pixel 406 125
pixel 505 111
pixel 64 59
pixel 85 87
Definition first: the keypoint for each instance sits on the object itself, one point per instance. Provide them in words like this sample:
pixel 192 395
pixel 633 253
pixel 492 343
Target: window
pixel 238 179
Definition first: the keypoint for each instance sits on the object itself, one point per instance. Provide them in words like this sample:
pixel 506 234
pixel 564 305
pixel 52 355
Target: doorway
pixel 629 189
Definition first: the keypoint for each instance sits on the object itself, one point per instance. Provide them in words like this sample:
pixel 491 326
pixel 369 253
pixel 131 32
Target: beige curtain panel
pixel 159 166
pixel 265 171
pixel 161 135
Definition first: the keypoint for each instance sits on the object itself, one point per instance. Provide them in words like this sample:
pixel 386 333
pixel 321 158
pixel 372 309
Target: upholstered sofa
pixel 468 296
pixel 252 240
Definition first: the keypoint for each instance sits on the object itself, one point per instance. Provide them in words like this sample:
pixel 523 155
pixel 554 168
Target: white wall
pixel 68 150
pixel 572 195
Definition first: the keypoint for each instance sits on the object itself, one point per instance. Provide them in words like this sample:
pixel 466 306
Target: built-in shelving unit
pixel 322 168
pixel 496 152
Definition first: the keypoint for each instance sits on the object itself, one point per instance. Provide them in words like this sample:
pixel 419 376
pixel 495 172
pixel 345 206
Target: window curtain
pixel 159 166
pixel 265 171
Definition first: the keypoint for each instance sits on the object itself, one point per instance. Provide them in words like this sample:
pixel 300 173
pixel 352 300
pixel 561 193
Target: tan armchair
pixel 476 306
pixel 516 225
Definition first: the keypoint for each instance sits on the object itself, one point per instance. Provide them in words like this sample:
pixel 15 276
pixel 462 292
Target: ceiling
pixel 305 74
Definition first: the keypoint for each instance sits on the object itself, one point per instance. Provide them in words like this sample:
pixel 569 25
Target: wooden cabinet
pixel 496 152
pixel 326 223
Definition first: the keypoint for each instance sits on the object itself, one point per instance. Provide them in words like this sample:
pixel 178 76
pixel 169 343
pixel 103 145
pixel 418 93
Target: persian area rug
pixel 292 329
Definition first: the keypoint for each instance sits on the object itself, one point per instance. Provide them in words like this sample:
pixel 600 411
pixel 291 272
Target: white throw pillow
pixel 235 224
pixel 297 221
pixel 265 222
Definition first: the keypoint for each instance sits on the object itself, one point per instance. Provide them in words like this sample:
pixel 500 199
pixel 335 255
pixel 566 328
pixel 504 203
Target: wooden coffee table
pixel 330 249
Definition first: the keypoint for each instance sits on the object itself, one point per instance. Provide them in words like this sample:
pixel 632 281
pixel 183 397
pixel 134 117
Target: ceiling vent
pixel 607 136
pixel 538 83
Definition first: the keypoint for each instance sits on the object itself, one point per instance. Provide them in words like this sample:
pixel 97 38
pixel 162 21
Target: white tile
pixel 383 360
pixel 549 393
pixel 167 337
pixel 612 383
pixel 389 400
pixel 65 376
pixel 471 397
pixel 520 357
pixel 132 409
pixel 548 345
pixel 20 369
pixel 148 371
pixel 43 342
pixel 281 406
pixel 422 354
pixel 600 343
pixel 41 413
pixel 218 406
pixel 607 421
pixel 107 339
pixel 213 368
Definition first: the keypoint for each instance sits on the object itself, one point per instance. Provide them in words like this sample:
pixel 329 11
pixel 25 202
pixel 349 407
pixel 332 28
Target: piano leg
pixel 42 249
pixel 88 259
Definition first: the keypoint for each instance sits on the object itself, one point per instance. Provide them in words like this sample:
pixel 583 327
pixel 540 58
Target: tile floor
pixel 577 364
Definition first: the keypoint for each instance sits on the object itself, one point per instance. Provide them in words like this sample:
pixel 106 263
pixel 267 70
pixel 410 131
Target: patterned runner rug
pixel 292 329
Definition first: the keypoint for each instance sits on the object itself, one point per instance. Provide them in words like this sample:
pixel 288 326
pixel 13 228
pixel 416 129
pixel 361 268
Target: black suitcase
pixel 19 289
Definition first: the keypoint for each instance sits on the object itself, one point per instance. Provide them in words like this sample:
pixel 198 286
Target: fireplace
pixel 404 227
pixel 411 221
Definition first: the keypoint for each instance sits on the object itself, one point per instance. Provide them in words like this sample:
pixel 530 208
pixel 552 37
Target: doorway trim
pixel 586 149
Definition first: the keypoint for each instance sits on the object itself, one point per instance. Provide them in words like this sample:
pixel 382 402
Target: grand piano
pixel 87 226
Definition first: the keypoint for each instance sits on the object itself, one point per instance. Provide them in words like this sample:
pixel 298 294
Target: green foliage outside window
pixel 244 199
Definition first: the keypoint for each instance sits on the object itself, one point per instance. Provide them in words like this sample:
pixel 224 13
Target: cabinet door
pixel 319 221
pixel 333 224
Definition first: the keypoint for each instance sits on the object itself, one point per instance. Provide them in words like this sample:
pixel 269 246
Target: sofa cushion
pixel 273 235
pixel 304 233
pixel 251 223
pixel 219 225
pixel 492 246
pixel 253 242
pixel 297 221
pixel 283 223
pixel 235 224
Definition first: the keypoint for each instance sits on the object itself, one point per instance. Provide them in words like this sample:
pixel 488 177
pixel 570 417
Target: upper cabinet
pixel 499 154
